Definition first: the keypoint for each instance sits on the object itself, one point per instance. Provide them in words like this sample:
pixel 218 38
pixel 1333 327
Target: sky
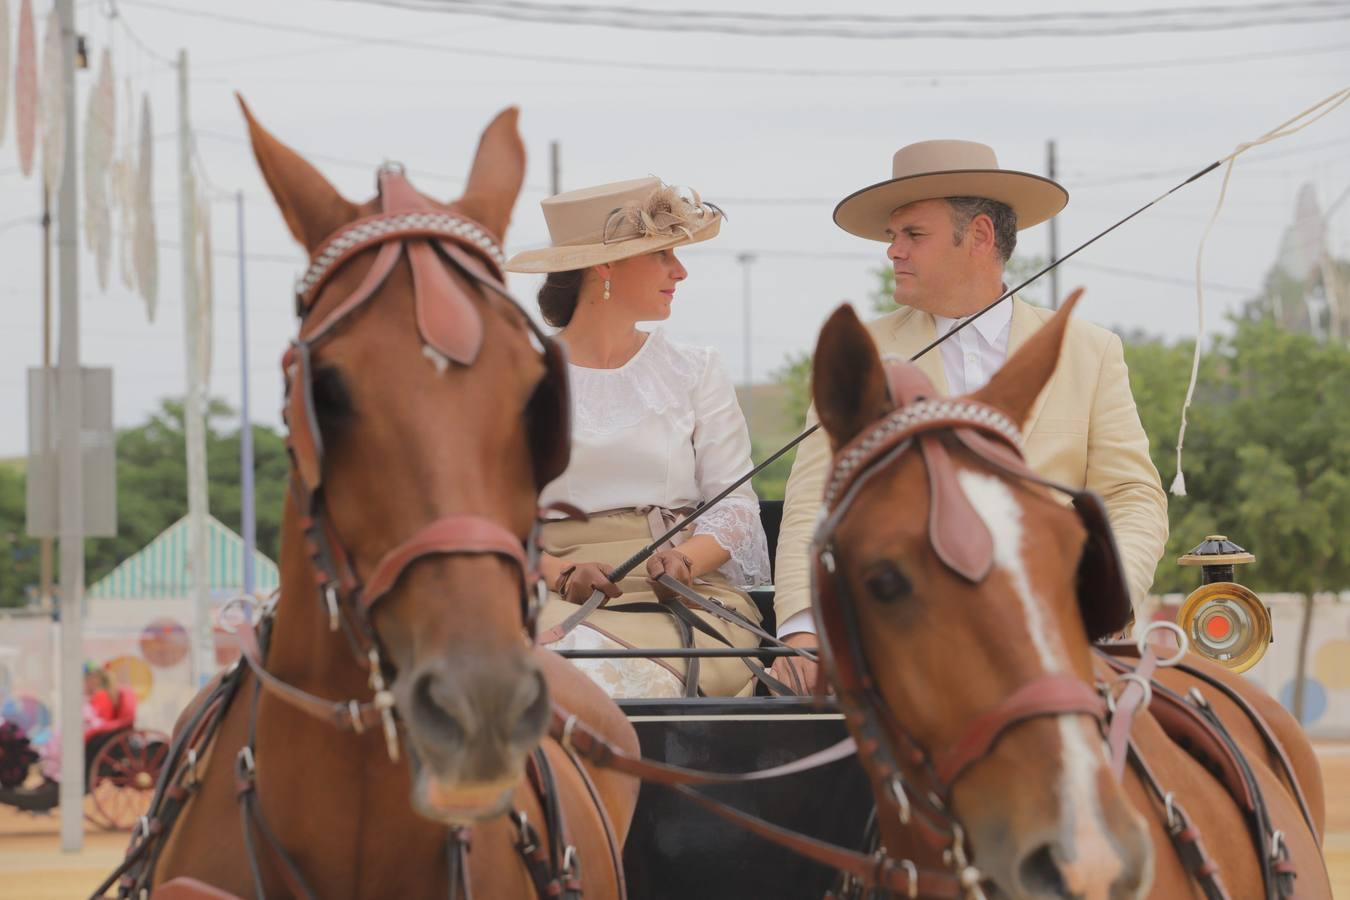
pixel 775 130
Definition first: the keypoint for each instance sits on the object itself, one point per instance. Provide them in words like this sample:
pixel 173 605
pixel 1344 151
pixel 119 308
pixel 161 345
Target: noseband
pixel 451 329
pixel 887 749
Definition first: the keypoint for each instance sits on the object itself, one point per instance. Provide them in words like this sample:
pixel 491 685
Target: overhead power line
pixel 862 27
pixel 688 68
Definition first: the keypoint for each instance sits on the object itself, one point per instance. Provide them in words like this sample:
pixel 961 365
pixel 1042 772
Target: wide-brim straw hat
pixel 933 170
pixel 615 221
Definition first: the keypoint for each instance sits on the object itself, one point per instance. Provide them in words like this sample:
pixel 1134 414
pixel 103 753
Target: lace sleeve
pixel 721 455
pixel 734 524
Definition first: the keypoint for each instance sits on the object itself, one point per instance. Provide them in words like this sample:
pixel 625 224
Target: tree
pixel 152 483
pixel 19 554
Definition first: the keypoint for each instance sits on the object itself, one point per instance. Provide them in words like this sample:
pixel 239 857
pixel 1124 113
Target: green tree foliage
pixel 152 495
pixel 152 482
pixel 1265 453
pixel 19 554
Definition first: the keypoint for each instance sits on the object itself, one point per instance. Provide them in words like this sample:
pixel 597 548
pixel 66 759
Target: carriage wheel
pixel 122 778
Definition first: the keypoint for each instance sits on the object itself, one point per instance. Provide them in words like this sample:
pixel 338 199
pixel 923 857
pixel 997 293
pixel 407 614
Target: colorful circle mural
pixel 1314 699
pixel 1331 664
pixel 133 673
pixel 164 643
pixel 28 712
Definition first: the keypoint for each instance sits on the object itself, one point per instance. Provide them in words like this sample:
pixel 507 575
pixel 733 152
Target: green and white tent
pixel 161 568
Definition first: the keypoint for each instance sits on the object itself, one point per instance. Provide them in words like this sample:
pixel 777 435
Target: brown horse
pixel 423 420
pixel 955 629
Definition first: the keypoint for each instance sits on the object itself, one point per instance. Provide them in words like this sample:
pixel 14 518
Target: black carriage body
pixel 679 850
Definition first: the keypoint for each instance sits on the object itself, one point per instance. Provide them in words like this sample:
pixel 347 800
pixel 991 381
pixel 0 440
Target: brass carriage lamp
pixel 1226 622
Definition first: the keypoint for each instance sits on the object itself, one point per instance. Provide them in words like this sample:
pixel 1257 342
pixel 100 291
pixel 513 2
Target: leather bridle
pixel 434 241
pixel 917 781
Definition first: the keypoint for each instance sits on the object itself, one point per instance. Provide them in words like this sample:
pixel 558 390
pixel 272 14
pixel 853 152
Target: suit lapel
pixel 1025 323
pixel 914 330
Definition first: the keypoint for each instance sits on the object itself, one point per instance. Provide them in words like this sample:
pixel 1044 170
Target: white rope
pixel 1284 129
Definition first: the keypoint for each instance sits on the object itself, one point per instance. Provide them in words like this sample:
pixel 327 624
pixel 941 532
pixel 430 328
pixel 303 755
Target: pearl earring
pixel 605 295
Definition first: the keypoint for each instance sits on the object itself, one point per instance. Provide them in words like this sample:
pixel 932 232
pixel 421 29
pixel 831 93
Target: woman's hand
pixel 669 562
pixel 577 582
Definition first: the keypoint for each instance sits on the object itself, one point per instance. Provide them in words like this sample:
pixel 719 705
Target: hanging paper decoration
pixel 205 296
pixel 124 192
pixel 53 103
pixel 4 68
pixel 100 136
pixel 145 252
pixel 25 90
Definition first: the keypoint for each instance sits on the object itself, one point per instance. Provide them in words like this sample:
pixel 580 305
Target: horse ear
pixel 848 382
pixel 1015 387
pixel 312 208
pixel 497 174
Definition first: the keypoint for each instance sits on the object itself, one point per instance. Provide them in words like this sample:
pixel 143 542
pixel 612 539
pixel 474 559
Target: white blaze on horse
pixel 957 599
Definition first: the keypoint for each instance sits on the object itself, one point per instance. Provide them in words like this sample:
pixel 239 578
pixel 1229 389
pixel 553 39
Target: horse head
pixel 423 418
pixel 948 600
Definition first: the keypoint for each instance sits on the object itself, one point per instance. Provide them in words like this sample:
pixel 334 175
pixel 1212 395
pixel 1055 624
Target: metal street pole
pixel 746 259
pixel 45 544
pixel 194 401
pixel 70 465
pixel 555 168
pixel 1054 229
pixel 249 525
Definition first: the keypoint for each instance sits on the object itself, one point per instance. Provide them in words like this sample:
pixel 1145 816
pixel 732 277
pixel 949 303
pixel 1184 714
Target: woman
pixel 108 709
pixel 656 431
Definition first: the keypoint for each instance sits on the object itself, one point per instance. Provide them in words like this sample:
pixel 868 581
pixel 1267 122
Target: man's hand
pixel 578 582
pixel 797 672
pixel 672 563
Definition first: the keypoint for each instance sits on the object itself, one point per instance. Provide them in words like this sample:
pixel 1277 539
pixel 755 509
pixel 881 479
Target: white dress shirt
pixel 969 360
pixel 665 429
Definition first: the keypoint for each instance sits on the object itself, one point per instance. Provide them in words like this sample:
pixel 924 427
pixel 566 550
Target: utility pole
pixel 70 464
pixel 1054 228
pixel 194 401
pixel 746 260
pixel 555 168
pixel 249 525
pixel 45 544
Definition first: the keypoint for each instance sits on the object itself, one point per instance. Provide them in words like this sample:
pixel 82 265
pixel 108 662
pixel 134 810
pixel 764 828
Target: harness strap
pixel 873 872
pixel 611 837
pixel 575 736
pixel 1053 695
pixel 1185 836
pixel 1134 696
pixel 457 841
pixel 452 535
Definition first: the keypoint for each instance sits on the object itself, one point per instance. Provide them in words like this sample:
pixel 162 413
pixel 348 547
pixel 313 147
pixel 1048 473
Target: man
pixel 950 217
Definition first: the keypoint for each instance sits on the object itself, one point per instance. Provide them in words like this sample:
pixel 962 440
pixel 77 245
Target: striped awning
pixel 161 569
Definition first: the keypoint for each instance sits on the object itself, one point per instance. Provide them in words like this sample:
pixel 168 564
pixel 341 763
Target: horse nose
pixel 1051 872
pixel 459 706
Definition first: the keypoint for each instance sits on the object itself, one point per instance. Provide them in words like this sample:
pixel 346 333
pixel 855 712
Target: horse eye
pixel 332 401
pixel 888 584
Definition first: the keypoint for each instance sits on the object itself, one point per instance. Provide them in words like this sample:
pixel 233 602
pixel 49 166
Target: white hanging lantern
pixel 100 137
pixel 53 103
pixel 146 252
pixel 25 89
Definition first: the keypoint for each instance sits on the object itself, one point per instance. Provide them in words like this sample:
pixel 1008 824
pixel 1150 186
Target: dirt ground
pixel 32 866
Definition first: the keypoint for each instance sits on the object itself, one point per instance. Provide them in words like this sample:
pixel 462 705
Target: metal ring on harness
pixel 897 789
pixel 566 738
pixel 1128 678
pixel 1183 641
pixel 912 873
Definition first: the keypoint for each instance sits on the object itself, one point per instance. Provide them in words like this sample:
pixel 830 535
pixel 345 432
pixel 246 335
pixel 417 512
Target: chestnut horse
pixel 955 622
pixel 423 420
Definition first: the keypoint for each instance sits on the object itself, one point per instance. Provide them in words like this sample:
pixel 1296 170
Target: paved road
pixel 32 866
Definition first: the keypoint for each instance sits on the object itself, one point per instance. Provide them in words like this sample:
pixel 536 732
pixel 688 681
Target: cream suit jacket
pixel 1083 431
